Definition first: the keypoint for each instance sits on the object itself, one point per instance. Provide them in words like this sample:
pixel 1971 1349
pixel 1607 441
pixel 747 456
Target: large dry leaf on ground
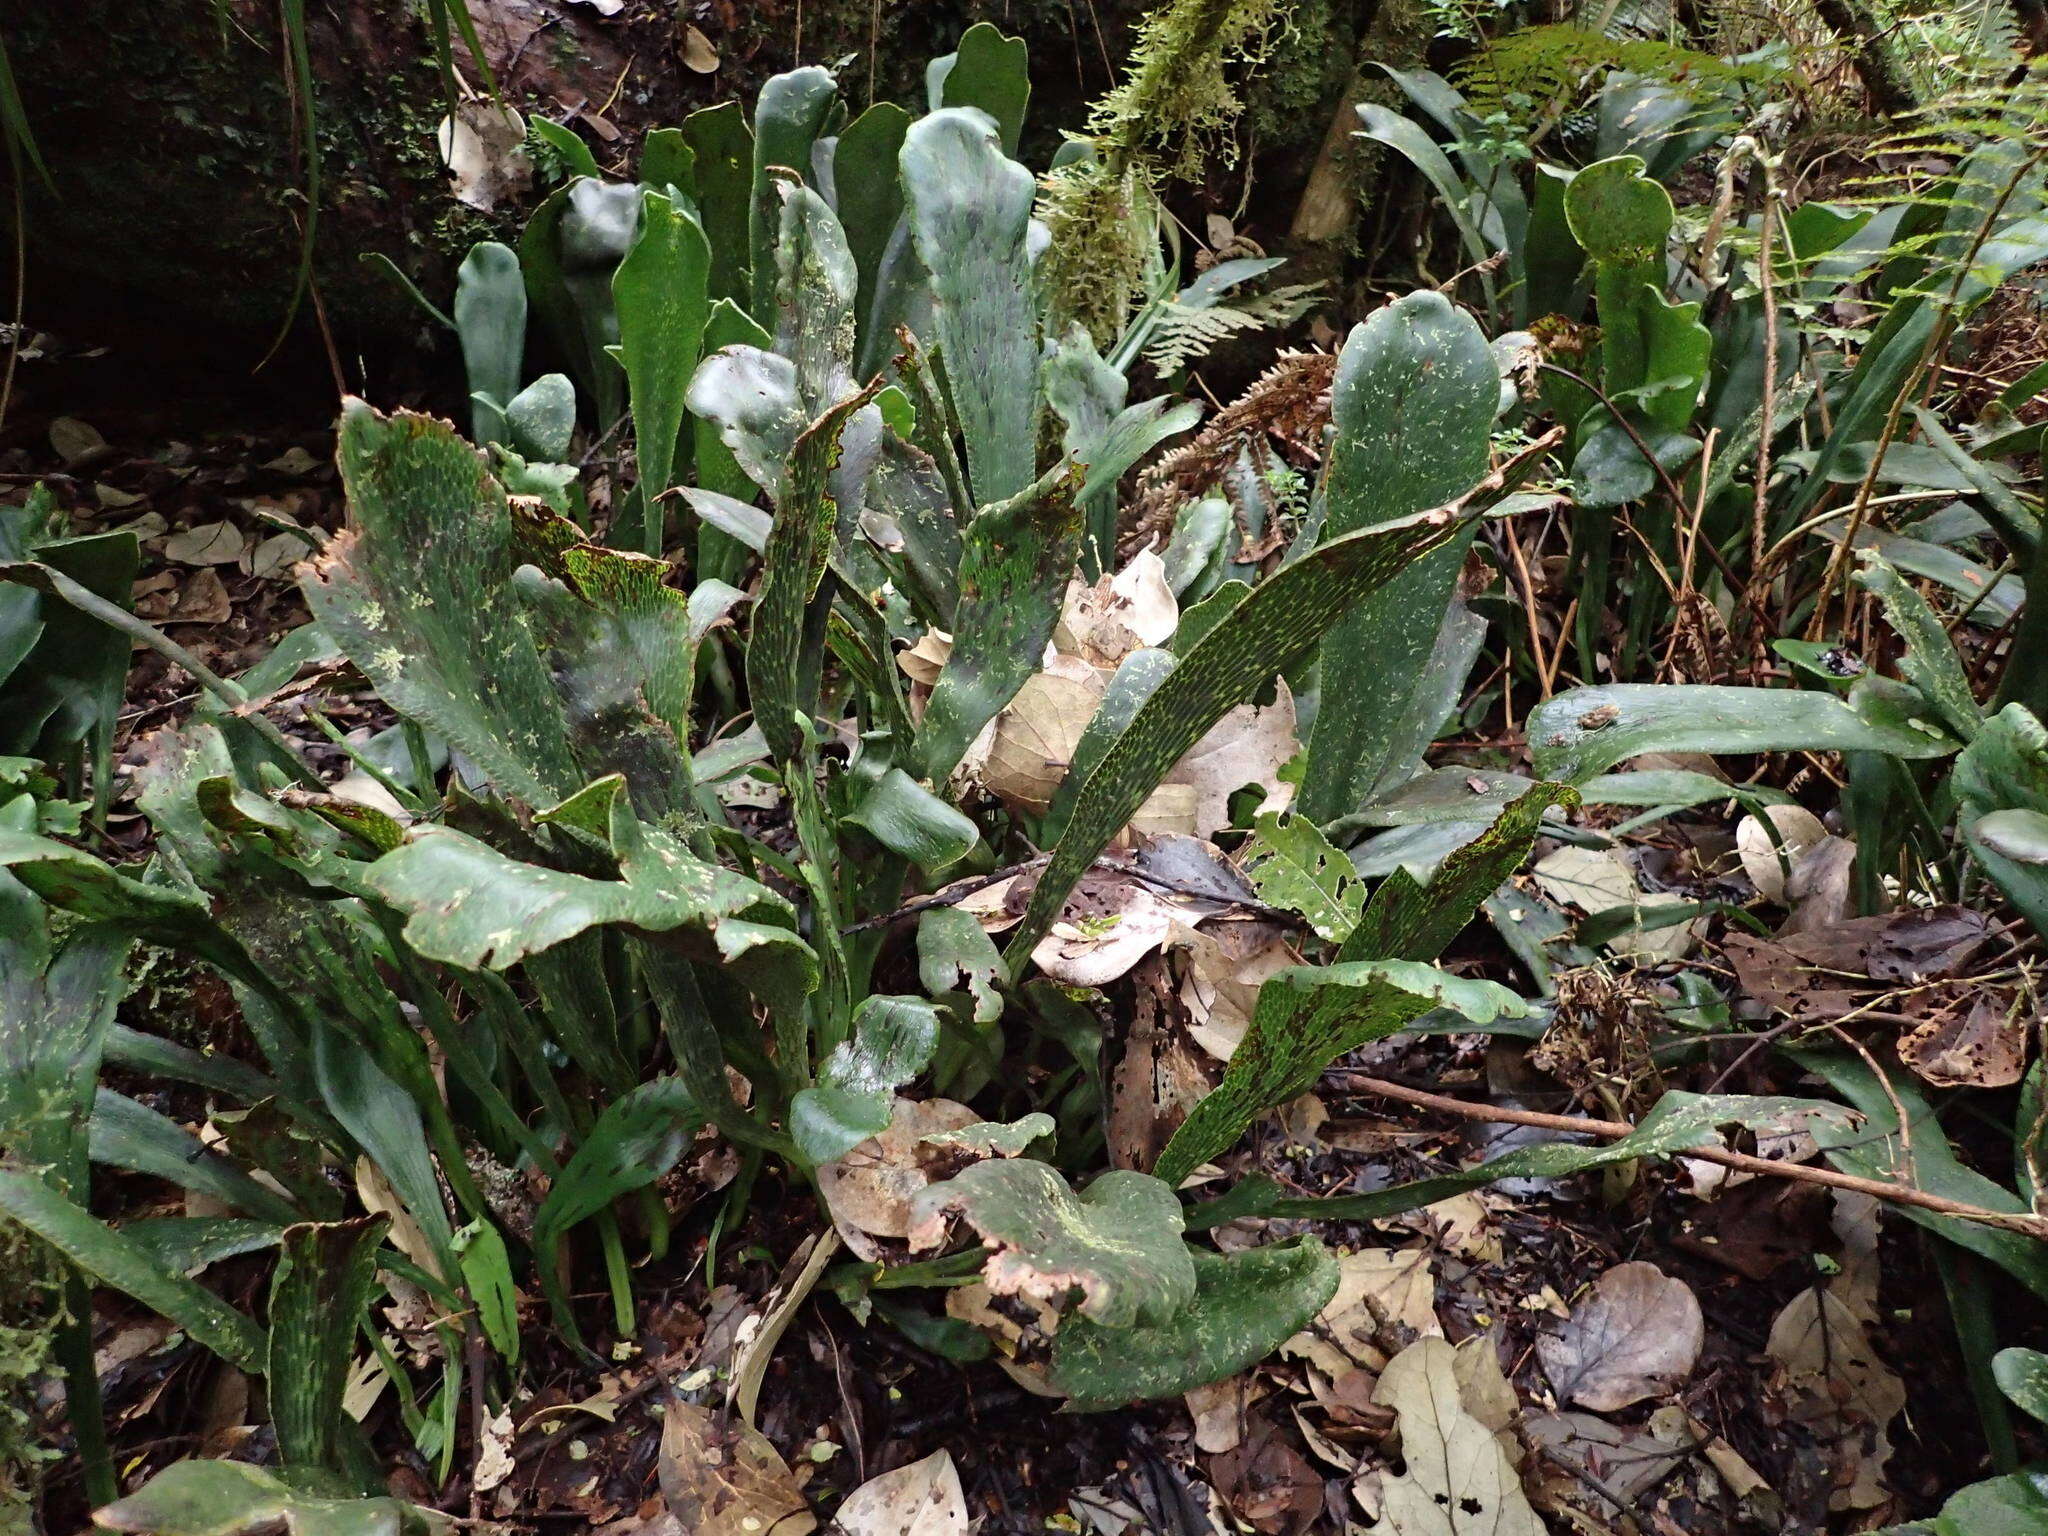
pixel 1769 862
pixel 1036 735
pixel 922 1499
pixel 1637 1334
pixel 1120 613
pixel 1221 971
pixel 1976 1041
pixel 1458 1480
pixel 1818 974
pixel 1111 922
pixel 869 1190
pixel 721 1478
pixel 1598 880
pixel 1831 1381
pixel 1385 1300
pixel 1246 748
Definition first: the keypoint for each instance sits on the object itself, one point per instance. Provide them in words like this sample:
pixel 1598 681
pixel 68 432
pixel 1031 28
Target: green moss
pixel 29 1309
pixel 1288 101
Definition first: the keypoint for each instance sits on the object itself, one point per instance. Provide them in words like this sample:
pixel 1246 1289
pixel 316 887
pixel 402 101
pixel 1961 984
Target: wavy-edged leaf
pixel 1264 632
pixel 1015 559
pixel 128 1267
pixel 893 1040
pixel 468 905
pixel 1245 1306
pixel 969 209
pixel 418 594
pixel 661 292
pixel 1305 1018
pixel 1118 1242
pixel 1413 407
pixel 989 70
pixel 1585 731
pixel 954 950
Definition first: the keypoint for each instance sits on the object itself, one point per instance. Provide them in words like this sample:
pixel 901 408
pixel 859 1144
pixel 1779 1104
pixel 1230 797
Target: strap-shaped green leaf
pixel 661 293
pixel 490 318
pixel 969 209
pixel 1305 1019
pixel 1015 559
pixel 782 664
pixel 1413 404
pixel 991 71
pixel 1585 731
pixel 1270 628
pixel 319 1296
pixel 723 145
pixel 788 117
pixel 113 1260
pixel 1930 663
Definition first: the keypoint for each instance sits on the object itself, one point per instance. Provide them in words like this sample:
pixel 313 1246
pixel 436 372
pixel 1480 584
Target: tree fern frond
pixel 1558 66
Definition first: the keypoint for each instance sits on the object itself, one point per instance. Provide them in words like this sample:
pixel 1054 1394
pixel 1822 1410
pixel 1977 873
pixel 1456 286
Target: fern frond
pixel 1184 335
pixel 1557 67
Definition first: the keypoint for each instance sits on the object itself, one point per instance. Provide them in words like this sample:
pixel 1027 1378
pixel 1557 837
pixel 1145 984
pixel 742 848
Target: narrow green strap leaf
pixel 126 1134
pixel 724 149
pixel 490 320
pixel 319 1297
pixel 661 293
pixel 1015 560
pixel 1264 633
pixel 1305 1019
pixel 1930 663
pixel 991 71
pixel 1585 731
pixel 1413 406
pixel 792 564
pixel 970 209
pixel 788 117
pixel 113 1260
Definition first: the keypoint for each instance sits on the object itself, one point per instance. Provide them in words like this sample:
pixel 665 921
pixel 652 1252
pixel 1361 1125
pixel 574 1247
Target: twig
pixel 1615 1130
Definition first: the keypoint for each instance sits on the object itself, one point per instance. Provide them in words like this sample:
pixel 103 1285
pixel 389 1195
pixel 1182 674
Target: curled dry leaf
pixel 1246 748
pixel 1385 1300
pixel 869 1190
pixel 922 1499
pixel 1110 923
pixel 697 50
pixel 1120 613
pixel 1036 735
pixel 1458 1479
pixel 1637 1334
pixel 1768 862
pixel 1221 970
pixel 1830 1380
pixel 1975 1041
pixel 482 145
pixel 722 1478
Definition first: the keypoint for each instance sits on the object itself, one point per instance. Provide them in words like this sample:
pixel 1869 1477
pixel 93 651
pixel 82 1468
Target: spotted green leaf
pixel 235 1498
pixel 319 1297
pixel 893 1040
pixel 1413 404
pixel 1307 1017
pixel 1291 864
pixel 1930 662
pixel 1244 1307
pixel 1118 1242
pixel 969 209
pixel 1585 731
pixel 788 117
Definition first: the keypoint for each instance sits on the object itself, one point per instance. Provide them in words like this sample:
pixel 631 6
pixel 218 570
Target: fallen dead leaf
pixel 1976 1041
pixel 1597 880
pixel 1036 735
pixel 922 1499
pixel 1831 1381
pixel 75 441
pixel 1111 922
pixel 1219 1412
pixel 1457 1478
pixel 722 1478
pixel 482 146
pixel 1616 1465
pixel 494 1454
pixel 698 53
pixel 1247 747
pixel 1385 1300
pixel 1637 1334
pixel 208 544
pixel 869 1190
pixel 1122 612
pixel 1768 863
